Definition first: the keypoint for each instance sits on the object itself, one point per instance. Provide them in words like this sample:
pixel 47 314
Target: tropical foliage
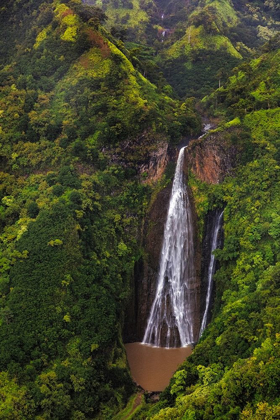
pixel 71 206
pixel 234 369
pixel 78 122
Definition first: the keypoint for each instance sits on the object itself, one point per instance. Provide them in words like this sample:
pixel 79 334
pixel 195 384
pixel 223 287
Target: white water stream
pixel 211 268
pixel 171 322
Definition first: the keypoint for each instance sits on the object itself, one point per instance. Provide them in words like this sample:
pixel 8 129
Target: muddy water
pixel 152 367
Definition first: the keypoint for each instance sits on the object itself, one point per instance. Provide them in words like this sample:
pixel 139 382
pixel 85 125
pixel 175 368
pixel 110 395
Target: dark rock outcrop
pixel 155 166
pixel 146 269
pixel 147 154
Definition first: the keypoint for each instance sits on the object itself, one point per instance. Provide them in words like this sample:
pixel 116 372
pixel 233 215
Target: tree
pixel 33 210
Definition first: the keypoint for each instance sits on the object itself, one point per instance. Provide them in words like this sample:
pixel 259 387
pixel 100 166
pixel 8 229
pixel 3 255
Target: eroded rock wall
pixel 155 166
pixel 212 157
pixel 146 269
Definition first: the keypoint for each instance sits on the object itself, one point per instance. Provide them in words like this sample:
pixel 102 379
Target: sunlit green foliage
pixel 76 122
pixel 234 369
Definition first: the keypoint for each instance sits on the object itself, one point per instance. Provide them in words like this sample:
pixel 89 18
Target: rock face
pixel 146 270
pixel 155 166
pixel 212 157
pixel 147 154
pixel 153 163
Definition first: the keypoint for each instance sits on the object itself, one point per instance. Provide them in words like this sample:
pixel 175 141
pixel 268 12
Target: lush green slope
pixel 253 86
pixel 234 370
pixel 218 34
pixel 70 102
pixel 196 43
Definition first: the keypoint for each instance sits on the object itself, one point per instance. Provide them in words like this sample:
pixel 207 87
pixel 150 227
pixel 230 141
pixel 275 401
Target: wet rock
pixel 211 158
pixel 146 269
pixel 146 274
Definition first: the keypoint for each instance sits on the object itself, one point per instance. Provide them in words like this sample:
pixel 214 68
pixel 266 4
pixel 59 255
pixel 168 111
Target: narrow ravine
pixel 174 321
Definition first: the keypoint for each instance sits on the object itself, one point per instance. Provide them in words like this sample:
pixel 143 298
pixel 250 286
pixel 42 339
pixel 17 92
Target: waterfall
pixel 171 321
pixel 206 128
pixel 211 268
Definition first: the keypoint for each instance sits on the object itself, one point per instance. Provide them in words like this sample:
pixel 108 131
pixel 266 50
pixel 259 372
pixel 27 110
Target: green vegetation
pixel 234 369
pixel 253 86
pixel 215 36
pixel 133 406
pixel 194 43
pixel 77 120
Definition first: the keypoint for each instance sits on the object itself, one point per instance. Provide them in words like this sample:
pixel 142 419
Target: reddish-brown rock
pixel 212 157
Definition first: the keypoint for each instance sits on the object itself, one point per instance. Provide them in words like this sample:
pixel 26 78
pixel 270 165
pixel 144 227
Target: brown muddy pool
pixel 152 367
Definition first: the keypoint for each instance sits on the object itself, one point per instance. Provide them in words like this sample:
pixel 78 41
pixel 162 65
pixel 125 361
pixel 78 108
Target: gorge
pixel 175 321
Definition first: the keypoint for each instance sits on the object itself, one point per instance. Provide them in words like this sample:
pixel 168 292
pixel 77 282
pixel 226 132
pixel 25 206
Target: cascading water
pixel 171 322
pixel 211 268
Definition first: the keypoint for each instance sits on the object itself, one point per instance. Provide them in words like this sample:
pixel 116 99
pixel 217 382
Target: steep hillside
pixel 78 128
pixel 252 86
pixel 234 369
pixel 195 43
pixel 215 36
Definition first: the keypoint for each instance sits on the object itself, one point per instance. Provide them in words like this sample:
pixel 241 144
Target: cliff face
pixel 146 270
pixel 155 166
pixel 212 157
pixel 144 282
pixel 148 154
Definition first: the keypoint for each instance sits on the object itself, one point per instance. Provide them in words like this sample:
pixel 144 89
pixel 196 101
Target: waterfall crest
pixel 211 268
pixel 171 321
